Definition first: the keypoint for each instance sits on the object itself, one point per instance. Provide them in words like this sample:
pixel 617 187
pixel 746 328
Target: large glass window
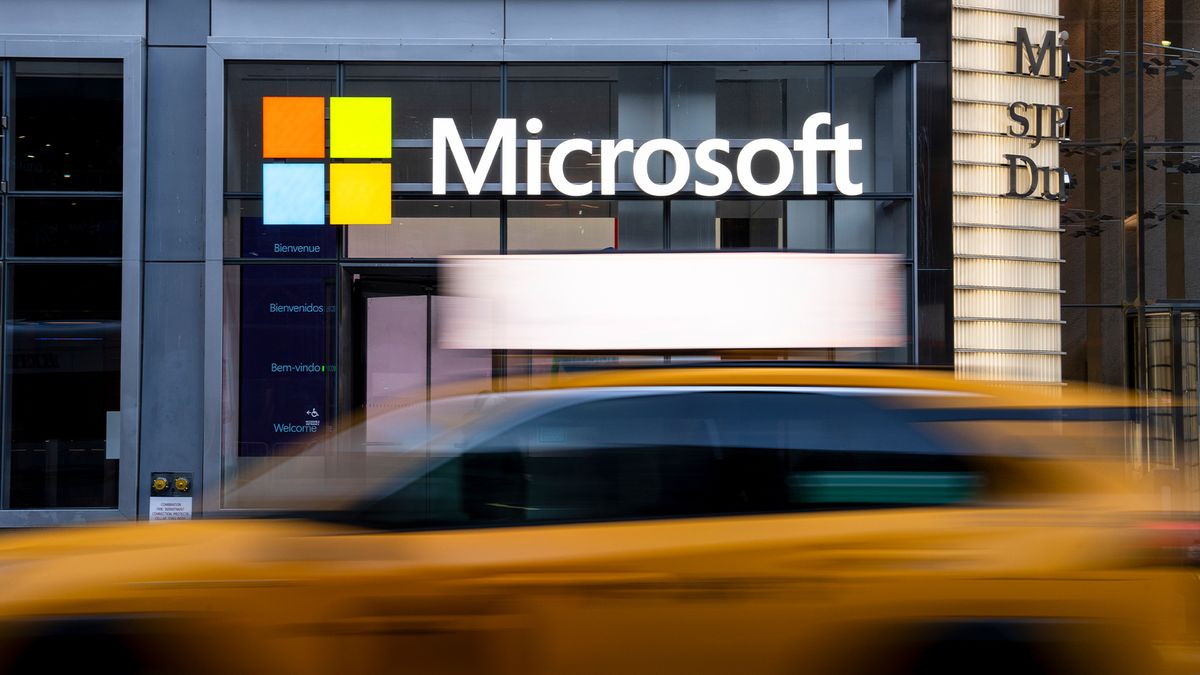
pixel 1131 225
pixel 468 94
pixel 426 229
pixel 583 225
pixel 60 254
pixel 246 85
pixel 736 102
pixel 64 342
pixel 375 334
pixel 747 101
pixel 66 226
pixel 68 126
pixel 593 101
pixel 873 100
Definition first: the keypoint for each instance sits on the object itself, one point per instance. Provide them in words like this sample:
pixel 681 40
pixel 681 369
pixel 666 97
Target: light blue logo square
pixel 293 194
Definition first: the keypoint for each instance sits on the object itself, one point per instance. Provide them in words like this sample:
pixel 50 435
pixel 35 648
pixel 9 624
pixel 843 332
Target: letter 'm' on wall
pixel 503 139
pixel 1005 217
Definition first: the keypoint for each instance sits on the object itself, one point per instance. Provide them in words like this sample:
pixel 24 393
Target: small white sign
pixel 170 508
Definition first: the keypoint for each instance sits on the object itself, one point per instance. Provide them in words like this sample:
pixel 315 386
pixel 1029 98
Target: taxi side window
pixel 698 454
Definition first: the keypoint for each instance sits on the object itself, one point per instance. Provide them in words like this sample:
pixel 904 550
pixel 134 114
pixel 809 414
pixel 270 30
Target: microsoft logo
pixel 360 128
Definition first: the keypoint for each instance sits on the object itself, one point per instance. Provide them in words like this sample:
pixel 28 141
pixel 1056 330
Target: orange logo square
pixel 293 127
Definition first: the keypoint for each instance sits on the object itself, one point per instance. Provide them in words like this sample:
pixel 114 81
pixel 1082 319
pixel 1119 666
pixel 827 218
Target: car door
pixel 681 530
pixel 696 529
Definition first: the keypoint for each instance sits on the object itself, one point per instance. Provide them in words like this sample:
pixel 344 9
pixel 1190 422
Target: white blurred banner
pixel 673 301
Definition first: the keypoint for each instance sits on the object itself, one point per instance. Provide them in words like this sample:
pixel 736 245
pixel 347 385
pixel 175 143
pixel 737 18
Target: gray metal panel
pixel 175 153
pixel 173 367
pixel 177 22
pixel 236 49
pixel 214 184
pixel 132 182
pixel 898 49
pixel 73 17
pixel 667 19
pixel 861 49
pixel 72 47
pixel 859 19
pixel 438 19
pixel 680 50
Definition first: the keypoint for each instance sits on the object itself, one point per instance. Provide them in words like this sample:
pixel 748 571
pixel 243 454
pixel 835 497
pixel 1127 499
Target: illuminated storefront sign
pixel 360 192
pixel 294 129
pixel 716 182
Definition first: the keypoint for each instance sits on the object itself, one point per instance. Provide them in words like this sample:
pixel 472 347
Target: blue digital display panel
pixel 287 375
pixel 287 241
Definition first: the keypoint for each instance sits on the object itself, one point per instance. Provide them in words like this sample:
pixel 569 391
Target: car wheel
pixel 981 657
pixel 87 647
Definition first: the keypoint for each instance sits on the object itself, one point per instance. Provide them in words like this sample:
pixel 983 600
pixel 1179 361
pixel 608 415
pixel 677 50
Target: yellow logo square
pixel 360 127
pixel 360 194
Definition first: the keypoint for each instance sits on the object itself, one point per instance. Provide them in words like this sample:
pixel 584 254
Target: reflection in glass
pixel 808 225
pixel 404 360
pixel 864 226
pixel 656 456
pixel 742 101
pixel 748 101
pixel 428 229
pixel 246 84
pixel 66 226
pixel 874 101
pixel 749 224
pixel 579 225
pixel 67 125
pixel 469 94
pixel 64 337
pixel 594 101
pixel 1093 340
pixel 588 100
pixel 869 226
pixel 397 327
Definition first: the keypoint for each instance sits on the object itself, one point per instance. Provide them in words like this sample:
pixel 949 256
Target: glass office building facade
pixel 1131 230
pixel 155 321
pixel 365 334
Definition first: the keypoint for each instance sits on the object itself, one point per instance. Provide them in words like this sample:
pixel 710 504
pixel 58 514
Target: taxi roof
pixel 999 394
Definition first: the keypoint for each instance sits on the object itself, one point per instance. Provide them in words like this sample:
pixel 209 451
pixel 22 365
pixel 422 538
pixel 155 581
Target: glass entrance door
pixel 396 356
pixel 1170 433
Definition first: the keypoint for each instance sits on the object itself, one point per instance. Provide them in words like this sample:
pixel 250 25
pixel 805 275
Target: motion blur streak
pixel 696 520
pixel 665 301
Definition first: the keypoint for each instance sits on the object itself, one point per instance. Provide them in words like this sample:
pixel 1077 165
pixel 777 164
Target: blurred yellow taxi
pixel 668 520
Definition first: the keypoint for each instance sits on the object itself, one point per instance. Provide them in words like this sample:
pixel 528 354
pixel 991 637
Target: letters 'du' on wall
pixel 1009 59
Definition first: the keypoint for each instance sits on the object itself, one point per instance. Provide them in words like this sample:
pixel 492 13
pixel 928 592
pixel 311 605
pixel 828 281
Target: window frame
pixel 479 443
pixel 130 52
pixel 220 51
